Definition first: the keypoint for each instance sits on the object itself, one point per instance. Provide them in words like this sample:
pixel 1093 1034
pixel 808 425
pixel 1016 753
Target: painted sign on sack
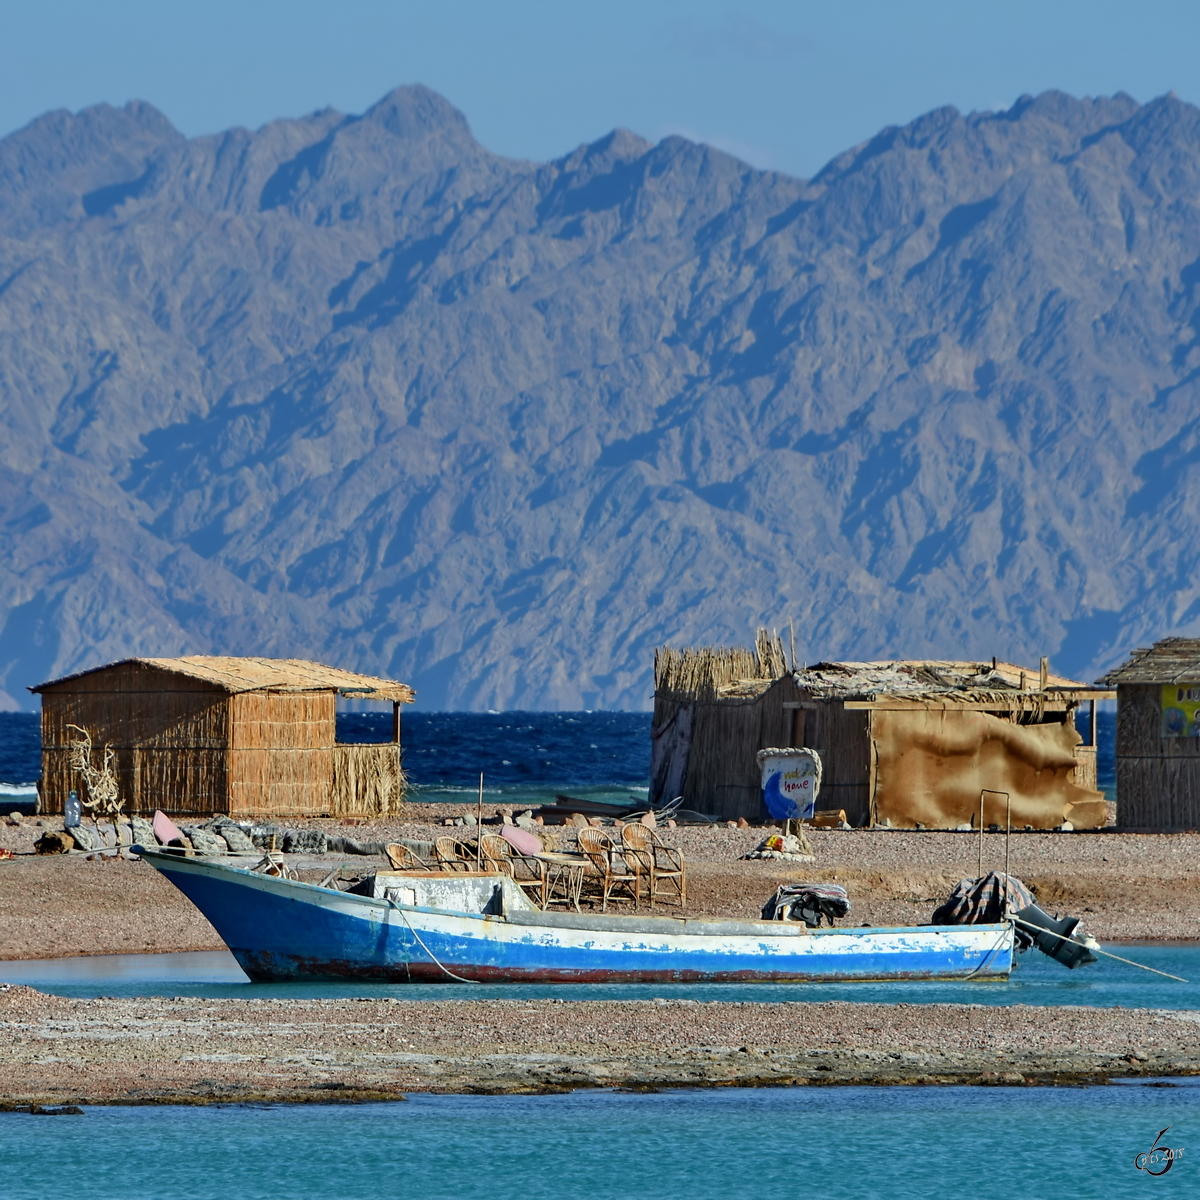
pixel 790 781
pixel 1180 710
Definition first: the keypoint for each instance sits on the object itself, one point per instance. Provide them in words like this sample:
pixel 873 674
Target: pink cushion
pixel 164 828
pixel 521 840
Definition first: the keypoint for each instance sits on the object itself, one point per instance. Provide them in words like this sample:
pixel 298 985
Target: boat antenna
pixel 1007 835
pixel 479 825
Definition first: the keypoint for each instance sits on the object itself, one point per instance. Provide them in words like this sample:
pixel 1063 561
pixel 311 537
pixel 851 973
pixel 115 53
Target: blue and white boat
pixel 441 927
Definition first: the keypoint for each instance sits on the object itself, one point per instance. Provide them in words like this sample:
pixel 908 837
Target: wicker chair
pixel 451 856
pixel 662 862
pixel 615 872
pixel 404 859
pixel 530 874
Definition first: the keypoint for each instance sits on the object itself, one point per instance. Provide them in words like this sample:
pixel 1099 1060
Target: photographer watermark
pixel 1158 1160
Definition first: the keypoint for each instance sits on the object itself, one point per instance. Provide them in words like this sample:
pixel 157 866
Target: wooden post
pixel 396 721
pixel 1044 672
pixel 1092 724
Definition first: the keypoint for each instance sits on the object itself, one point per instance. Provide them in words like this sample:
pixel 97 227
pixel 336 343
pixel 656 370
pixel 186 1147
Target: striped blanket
pixel 987 901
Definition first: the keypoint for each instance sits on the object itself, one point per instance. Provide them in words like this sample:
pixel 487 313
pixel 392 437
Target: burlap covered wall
pixel 930 766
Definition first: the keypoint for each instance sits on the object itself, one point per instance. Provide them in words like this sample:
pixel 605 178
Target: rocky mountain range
pixel 354 388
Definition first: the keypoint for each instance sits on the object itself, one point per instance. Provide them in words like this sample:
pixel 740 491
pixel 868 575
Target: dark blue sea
pixel 526 754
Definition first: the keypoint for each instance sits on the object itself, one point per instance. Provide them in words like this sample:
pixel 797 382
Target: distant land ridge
pixel 353 388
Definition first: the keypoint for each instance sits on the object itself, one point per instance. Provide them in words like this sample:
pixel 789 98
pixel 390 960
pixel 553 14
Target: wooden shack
pixel 1158 736
pixel 196 736
pixel 903 744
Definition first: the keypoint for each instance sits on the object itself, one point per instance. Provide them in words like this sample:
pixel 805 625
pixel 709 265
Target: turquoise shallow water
pixel 1037 980
pixel 829 1143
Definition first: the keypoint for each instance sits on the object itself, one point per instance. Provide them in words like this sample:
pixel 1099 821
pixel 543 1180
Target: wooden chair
pixel 450 855
pixel 526 871
pixel 606 860
pixel 404 859
pixel 640 858
pixel 660 861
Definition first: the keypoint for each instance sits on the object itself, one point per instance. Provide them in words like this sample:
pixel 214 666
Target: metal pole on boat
pixel 1007 834
pixel 479 825
pixel 979 873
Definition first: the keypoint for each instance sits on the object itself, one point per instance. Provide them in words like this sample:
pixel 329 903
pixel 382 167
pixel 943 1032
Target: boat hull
pixel 280 929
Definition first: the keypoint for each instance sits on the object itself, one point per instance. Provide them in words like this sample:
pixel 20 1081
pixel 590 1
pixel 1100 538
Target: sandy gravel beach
pixel 1125 886
pixel 61 1051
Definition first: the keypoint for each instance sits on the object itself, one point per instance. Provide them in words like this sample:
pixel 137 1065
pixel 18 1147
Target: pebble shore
pixel 60 1051
pixel 136 1051
pixel 1124 886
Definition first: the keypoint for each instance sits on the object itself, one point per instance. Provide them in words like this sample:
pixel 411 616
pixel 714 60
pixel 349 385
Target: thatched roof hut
pixel 1158 735
pixel 208 734
pixel 902 743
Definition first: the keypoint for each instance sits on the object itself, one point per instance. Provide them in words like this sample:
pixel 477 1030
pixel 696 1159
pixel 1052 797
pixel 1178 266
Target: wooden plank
pixel 843 740
pixel 1160 793
pixel 722 774
pixel 170 746
pixel 1085 767
pixel 1022 700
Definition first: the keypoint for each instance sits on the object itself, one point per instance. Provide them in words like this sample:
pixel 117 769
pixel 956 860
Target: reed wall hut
pixel 203 735
pixel 1158 736
pixel 903 744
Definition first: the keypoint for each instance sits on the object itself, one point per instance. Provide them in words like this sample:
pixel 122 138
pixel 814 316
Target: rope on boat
pixel 428 951
pixel 1097 950
pixel 987 958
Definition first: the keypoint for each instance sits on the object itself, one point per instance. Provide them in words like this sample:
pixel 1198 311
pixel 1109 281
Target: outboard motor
pixel 995 898
pixel 1058 937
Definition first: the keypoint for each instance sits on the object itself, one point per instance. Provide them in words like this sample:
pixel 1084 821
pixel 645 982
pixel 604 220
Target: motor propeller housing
pixel 1057 938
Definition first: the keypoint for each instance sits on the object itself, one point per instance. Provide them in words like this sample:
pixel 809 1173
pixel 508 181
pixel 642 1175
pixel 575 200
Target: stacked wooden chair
pixel 615 871
pixel 660 864
pixel 527 871
pixel 404 858
pixel 452 855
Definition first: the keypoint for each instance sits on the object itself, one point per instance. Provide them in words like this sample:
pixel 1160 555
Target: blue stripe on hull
pixel 291 931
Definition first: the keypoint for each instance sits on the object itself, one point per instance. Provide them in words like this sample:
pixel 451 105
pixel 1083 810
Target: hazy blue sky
pixel 785 85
